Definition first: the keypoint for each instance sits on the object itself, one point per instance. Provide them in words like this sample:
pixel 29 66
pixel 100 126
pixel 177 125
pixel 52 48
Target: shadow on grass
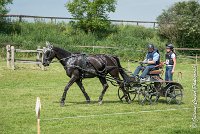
pixel 93 102
pixel 163 101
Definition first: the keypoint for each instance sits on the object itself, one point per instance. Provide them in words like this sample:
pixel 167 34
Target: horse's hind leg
pixel 80 84
pixel 72 80
pixel 105 87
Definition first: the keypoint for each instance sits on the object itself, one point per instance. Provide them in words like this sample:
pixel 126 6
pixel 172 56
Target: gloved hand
pixel 144 62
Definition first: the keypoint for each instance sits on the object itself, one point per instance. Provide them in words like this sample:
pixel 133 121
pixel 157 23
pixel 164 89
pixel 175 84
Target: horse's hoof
pixel 129 102
pixel 87 101
pixel 62 104
pixel 100 102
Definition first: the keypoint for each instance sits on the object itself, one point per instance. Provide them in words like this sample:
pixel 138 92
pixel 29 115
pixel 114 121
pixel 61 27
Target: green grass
pixel 19 89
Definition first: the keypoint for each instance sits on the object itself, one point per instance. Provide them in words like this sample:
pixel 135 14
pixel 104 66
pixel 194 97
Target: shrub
pixel 180 24
pixel 127 38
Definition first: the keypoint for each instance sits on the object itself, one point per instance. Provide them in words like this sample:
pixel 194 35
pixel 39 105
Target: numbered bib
pixel 167 61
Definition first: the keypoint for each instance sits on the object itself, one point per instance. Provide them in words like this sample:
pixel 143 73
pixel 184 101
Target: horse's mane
pixel 62 51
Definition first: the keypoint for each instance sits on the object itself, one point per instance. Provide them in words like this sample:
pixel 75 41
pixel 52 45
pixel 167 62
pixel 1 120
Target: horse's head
pixel 49 54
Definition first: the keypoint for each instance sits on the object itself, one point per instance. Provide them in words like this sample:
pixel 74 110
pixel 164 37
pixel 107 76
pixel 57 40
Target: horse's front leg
pixel 80 84
pixel 70 83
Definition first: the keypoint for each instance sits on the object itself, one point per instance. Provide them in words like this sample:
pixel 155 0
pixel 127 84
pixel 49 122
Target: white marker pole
pixel 37 110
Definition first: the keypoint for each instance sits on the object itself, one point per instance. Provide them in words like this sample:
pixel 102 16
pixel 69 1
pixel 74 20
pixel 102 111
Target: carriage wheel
pixel 174 94
pixel 155 89
pixel 131 94
pixel 153 95
pixel 121 95
pixel 143 96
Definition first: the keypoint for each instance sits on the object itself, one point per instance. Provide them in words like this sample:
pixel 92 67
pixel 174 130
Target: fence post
pixel 93 48
pixel 43 68
pixel 8 55
pixel 38 54
pixel 195 99
pixel 12 57
pixel 154 25
pixel 2 54
pixel 20 18
pixel 174 50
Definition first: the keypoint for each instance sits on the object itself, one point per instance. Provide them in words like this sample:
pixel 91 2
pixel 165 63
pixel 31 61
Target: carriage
pixel 152 89
pixel 107 68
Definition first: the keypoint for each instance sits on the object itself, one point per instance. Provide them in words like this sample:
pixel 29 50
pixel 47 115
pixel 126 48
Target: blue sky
pixel 146 10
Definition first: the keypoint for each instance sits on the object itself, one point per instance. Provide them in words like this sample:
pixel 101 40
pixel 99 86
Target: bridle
pixel 50 53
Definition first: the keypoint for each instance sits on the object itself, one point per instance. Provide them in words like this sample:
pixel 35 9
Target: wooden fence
pixel 52 19
pixel 11 59
pixel 108 47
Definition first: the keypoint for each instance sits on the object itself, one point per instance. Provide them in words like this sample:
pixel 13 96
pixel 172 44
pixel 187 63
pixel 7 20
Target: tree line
pixel 179 24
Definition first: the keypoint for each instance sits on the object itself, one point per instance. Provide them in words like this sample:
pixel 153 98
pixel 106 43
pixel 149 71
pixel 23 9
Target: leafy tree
pixel 181 24
pixel 91 15
pixel 3 3
pixel 3 9
pixel 4 27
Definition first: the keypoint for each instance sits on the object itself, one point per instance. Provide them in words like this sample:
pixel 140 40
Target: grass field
pixel 19 89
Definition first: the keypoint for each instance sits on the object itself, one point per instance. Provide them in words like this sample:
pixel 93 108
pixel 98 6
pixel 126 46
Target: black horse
pixel 80 66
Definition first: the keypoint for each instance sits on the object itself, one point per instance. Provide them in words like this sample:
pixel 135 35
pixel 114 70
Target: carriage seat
pixel 157 72
pixel 154 72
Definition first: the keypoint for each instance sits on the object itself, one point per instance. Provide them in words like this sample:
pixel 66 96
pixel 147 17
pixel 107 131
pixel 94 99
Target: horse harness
pixel 84 63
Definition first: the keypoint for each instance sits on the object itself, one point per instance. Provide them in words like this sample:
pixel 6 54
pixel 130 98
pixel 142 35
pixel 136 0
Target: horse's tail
pixel 121 70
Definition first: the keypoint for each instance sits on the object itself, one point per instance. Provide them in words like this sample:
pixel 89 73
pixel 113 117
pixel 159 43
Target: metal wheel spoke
pixel 179 95
pixel 121 94
pixel 144 99
pixel 169 100
pixel 153 97
pixel 174 93
pixel 143 96
pixel 122 97
pixel 132 94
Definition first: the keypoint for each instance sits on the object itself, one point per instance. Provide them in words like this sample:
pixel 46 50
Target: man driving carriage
pixel 152 59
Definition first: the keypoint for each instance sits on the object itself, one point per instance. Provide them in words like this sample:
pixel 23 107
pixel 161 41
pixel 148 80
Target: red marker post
pixel 37 110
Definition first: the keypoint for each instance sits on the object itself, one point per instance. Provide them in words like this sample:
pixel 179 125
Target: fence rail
pixel 54 19
pixel 11 59
pixel 128 49
pixel 27 51
pixel 188 49
pixel 107 47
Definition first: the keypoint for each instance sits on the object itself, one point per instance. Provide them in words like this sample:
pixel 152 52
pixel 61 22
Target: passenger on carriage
pixel 152 59
pixel 170 62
